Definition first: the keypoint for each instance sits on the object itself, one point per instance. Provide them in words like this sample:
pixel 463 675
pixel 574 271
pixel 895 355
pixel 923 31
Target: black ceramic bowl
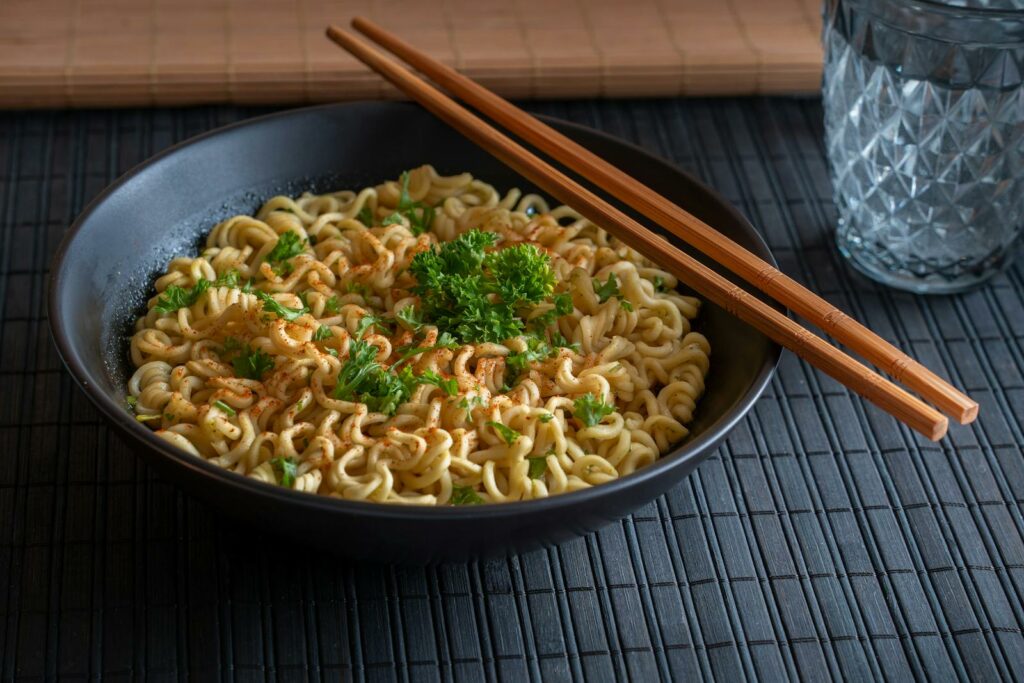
pixel 103 272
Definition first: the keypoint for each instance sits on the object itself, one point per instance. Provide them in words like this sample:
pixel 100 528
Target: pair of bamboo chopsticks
pixel 807 345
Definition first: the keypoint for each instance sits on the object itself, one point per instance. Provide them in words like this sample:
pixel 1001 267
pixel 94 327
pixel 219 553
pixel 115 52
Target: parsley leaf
pixel 464 495
pixel 271 305
pixel 322 332
pixel 547 417
pixel 175 297
pixel 252 363
pixel 370 320
pixel 563 306
pixel 289 244
pixel 590 410
pixel 226 408
pixel 558 340
pixel 519 361
pixel 285 468
pixel 410 317
pixel 538 466
pixel 507 434
pixel 420 222
pixel 365 216
pixel 450 386
pixel 659 283
pixel 606 290
pixel 228 279
pixel 362 378
pixel 332 304
pixel 472 402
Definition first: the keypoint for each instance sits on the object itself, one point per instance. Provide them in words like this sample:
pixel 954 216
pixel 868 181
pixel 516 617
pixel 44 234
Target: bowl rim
pixel 697 449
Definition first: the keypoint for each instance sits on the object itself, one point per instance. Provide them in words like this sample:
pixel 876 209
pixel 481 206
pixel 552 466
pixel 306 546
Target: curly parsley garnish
pixel 323 332
pixel 590 410
pixel 479 296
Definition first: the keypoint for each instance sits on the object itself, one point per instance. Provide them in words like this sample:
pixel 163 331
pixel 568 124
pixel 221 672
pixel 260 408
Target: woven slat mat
pixel 56 53
pixel 822 540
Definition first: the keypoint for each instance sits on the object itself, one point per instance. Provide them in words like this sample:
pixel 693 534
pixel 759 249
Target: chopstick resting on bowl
pixel 685 226
pixel 805 344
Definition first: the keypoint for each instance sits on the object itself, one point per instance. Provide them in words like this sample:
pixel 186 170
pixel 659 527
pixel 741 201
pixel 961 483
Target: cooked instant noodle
pixel 426 341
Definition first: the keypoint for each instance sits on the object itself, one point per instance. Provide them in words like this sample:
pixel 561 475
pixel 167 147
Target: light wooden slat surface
pixel 57 53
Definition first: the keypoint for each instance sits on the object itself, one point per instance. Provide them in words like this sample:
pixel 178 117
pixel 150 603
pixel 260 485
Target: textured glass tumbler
pixel 924 126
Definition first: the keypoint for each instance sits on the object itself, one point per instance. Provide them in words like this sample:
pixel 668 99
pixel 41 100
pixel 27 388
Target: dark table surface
pixel 821 541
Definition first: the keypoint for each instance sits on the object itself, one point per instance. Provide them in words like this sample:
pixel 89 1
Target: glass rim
pixel 937 7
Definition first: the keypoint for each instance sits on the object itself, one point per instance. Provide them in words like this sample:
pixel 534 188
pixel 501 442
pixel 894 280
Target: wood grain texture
pixel 58 53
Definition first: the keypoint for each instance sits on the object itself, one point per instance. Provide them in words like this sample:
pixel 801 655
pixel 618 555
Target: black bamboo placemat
pixel 822 541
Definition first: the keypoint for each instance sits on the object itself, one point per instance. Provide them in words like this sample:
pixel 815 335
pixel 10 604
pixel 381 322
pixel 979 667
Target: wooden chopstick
pixel 686 226
pixel 815 350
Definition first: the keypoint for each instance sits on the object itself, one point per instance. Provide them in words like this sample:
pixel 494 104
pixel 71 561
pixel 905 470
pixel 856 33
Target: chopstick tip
pixel 969 414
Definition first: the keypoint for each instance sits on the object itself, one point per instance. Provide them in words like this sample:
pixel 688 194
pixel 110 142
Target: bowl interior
pixel 104 271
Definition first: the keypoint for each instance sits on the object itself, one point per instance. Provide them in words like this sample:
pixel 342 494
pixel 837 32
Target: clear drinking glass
pixel 924 125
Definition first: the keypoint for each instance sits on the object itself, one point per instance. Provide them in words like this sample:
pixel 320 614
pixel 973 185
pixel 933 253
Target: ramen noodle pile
pixel 426 341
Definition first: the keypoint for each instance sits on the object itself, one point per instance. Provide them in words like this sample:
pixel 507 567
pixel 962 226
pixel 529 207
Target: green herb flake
pixel 271 305
pixel 323 332
pixel 464 495
pixel 410 318
pixel 175 297
pixel 370 320
pixel 333 305
pixel 507 434
pixel 285 469
pixel 288 245
pixel 225 407
pixel 538 466
pixel 365 216
pixel 252 363
pixel 590 410
pixel 229 279
pixel 450 386
pixel 547 417
pixel 608 289
pixel 131 402
pixel 659 283
pixel 419 215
